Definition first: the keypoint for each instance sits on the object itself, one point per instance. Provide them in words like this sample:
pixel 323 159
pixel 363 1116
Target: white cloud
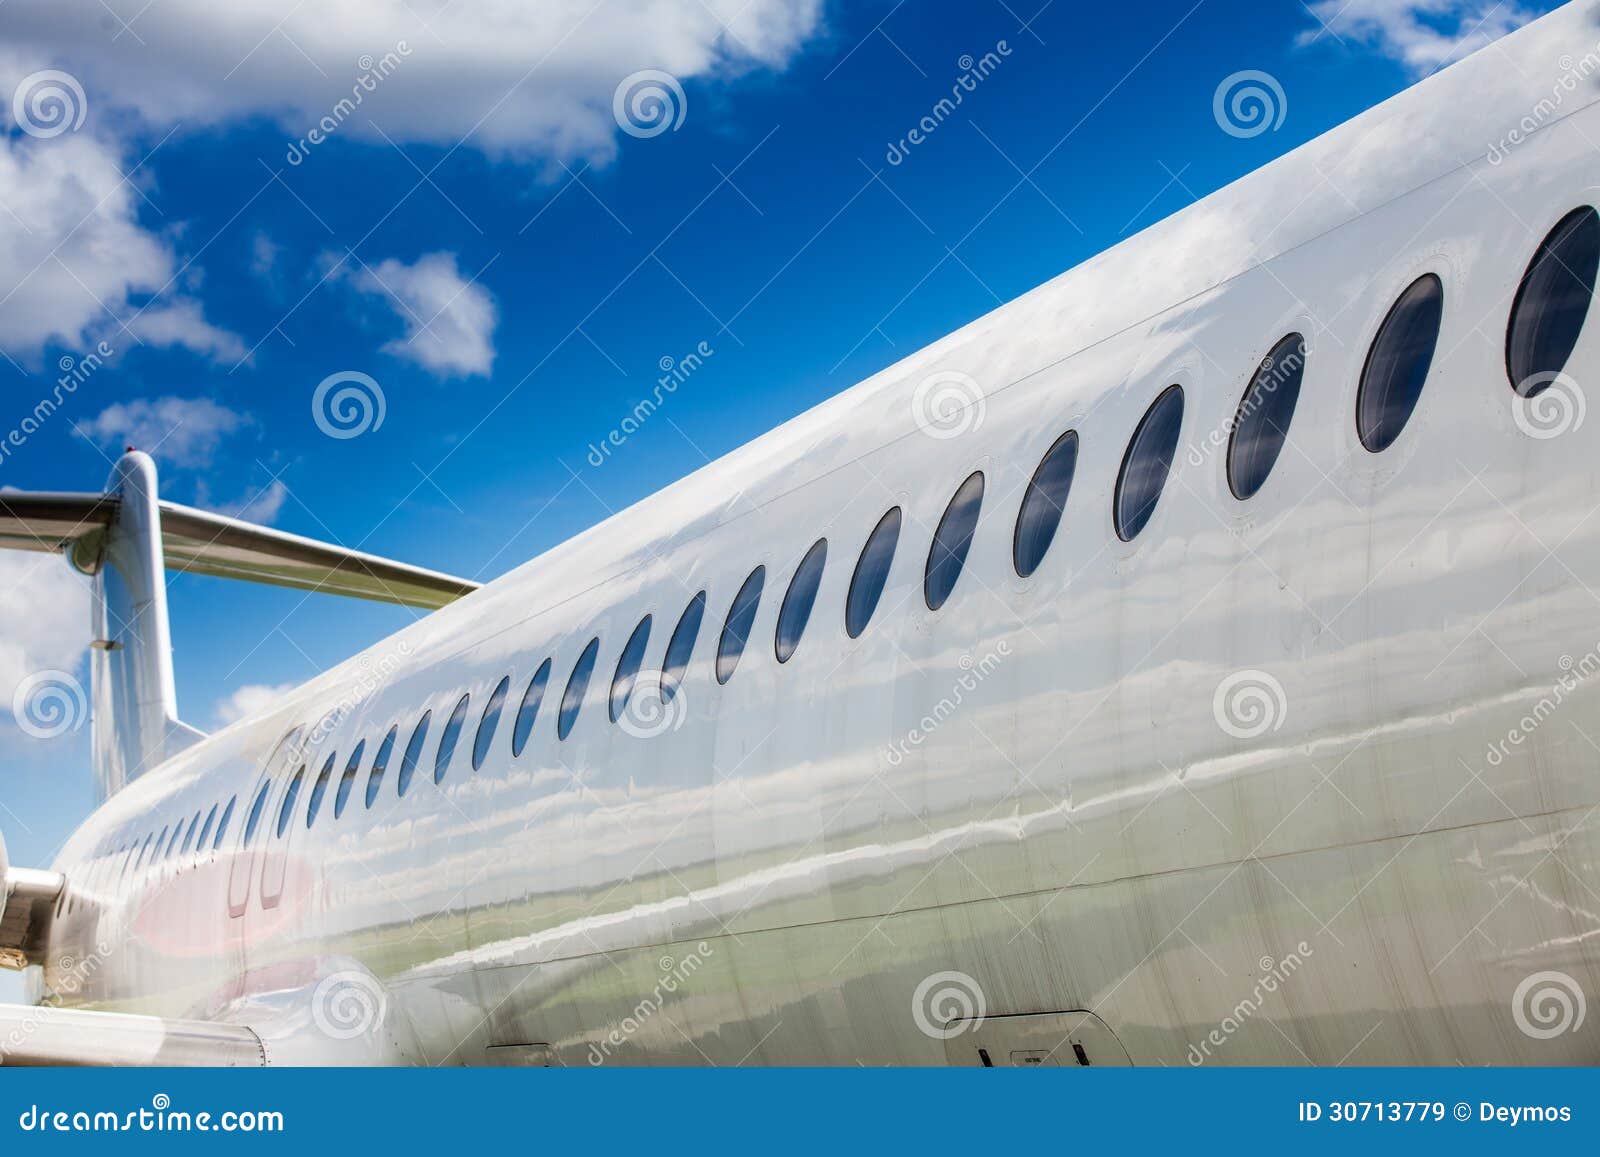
pixel 74 259
pixel 249 700
pixel 1423 35
pixel 262 506
pixel 181 431
pixel 449 320
pixel 524 78
pixel 44 618
pixel 180 323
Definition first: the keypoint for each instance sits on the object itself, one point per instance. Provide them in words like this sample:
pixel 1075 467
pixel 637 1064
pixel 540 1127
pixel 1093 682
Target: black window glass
pixel 255 814
pixel 205 831
pixel 1261 423
pixel 951 541
pixel 799 599
pixel 143 848
pixel 1398 363
pixel 448 738
pixel 222 824
pixel 577 684
pixel 1146 464
pixel 286 808
pixel 736 630
pixel 871 573
pixel 529 711
pixel 1552 302
pixel 380 764
pixel 172 845
pixel 681 646
pixel 489 721
pixel 1043 503
pixel 413 753
pixel 628 664
pixel 348 779
pixel 320 788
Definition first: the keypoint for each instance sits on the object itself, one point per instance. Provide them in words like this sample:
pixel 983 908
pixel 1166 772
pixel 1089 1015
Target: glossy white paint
pixel 1079 832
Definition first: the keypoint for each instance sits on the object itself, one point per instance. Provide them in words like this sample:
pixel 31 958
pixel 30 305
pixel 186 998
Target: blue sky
pixel 512 269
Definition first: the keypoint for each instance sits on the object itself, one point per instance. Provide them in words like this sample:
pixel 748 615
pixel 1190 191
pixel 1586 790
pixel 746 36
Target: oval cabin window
pixel 1548 312
pixel 413 753
pixel 1043 503
pixel 532 697
pixel 348 779
pixel 681 646
pixel 736 630
pixel 799 599
pixel 380 764
pixel 951 541
pixel 577 686
pixel 871 573
pixel 1398 363
pixel 628 664
pixel 1147 463
pixel 449 737
pixel 1261 423
pixel 489 721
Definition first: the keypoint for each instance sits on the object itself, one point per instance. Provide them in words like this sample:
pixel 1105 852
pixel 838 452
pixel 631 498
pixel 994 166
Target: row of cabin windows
pixel 1546 319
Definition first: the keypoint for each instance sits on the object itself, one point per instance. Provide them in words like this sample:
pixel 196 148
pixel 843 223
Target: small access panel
pixel 1055 1039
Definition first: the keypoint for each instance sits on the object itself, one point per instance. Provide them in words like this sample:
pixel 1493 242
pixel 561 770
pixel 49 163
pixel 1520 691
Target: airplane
pixel 1191 662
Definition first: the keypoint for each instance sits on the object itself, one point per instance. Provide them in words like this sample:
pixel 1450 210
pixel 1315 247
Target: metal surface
pixel 1037 787
pixel 58 1036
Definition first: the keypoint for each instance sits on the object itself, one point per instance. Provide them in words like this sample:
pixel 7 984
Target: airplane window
pixel 529 711
pixel 127 861
pixel 951 541
pixel 872 571
pixel 1147 462
pixel 286 809
pixel 736 630
pixel 143 848
pixel 408 761
pixel 628 668
pixel 448 738
pixel 490 720
pixel 1043 503
pixel 799 599
pixel 1552 301
pixel 255 814
pixel 1398 363
pixel 380 764
pixel 1261 424
pixel 348 779
pixel 188 837
pixel 222 824
pixel 681 646
pixel 577 684
pixel 320 788
pixel 211 818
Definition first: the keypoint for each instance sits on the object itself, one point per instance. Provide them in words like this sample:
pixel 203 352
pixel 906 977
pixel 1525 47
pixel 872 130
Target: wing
pixel 199 542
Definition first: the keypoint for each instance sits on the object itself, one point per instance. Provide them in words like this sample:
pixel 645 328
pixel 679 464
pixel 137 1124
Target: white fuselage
pixel 1029 786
